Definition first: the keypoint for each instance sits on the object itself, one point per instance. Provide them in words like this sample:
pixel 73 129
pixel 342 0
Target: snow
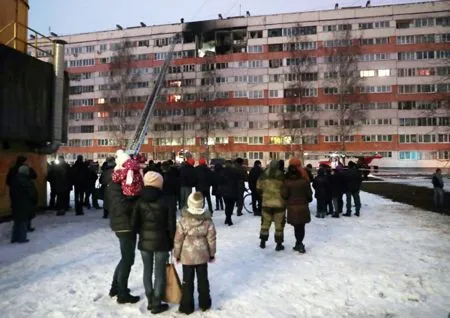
pixel 393 261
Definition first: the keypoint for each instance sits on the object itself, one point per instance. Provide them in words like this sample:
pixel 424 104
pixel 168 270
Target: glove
pixel 212 259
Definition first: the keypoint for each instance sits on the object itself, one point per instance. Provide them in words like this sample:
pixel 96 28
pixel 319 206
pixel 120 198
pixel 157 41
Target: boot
pixel 127 299
pixel 239 213
pixel 114 291
pixel 347 214
pixel 158 307
pixel 60 213
pixel 357 213
pixel 279 247
pixel 301 248
pixel 262 244
pixel 335 215
pixel 296 247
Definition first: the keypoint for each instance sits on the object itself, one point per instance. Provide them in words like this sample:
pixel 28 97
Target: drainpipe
pixel 58 94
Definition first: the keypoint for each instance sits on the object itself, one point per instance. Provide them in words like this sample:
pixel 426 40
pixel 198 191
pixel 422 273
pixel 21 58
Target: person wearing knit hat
pixel 153 179
pixel 155 223
pixel 194 247
pixel 204 182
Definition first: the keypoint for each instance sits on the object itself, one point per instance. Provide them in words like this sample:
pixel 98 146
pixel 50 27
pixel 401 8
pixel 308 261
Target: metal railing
pixel 39 38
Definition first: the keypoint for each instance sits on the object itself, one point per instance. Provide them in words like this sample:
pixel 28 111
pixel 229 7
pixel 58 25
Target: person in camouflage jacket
pixel 270 185
pixel 195 246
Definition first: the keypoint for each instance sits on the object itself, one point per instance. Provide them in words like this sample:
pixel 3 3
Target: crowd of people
pixel 142 201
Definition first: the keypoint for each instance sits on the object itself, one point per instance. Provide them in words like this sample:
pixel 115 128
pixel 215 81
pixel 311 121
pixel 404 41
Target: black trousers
pixel 240 202
pixel 62 200
pixel 127 241
pixel 187 298
pixel 256 202
pixel 219 202
pixel 52 203
pixel 19 231
pixel 79 196
pixel 229 206
pixel 299 230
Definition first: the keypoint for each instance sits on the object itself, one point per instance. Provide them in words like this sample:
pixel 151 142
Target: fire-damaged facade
pixel 355 80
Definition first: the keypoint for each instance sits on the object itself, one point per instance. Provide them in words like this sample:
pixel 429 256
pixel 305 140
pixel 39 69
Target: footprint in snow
pixel 97 297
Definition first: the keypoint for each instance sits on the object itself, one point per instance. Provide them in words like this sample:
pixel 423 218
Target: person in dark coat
pixel 188 180
pixel 297 193
pixel 242 174
pixel 91 179
pixel 253 177
pixel 120 212
pixel 156 224
pixel 329 198
pixel 229 189
pixel 79 177
pixel 105 178
pixel 309 169
pixel 23 203
pixel 338 188
pixel 322 190
pixel 63 185
pixel 204 182
pixel 215 188
pixel 51 179
pixel 438 189
pixel 171 186
pixel 20 161
pixel 353 180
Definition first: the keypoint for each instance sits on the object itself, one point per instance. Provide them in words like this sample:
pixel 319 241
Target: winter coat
pixel 62 177
pixel 322 186
pixel 51 177
pixel 216 179
pixel 253 177
pixel 120 208
pixel 353 179
pixel 13 171
pixel 78 174
pixel 23 197
pixel 204 178
pixel 338 184
pixel 270 185
pixel 188 176
pixel 229 183
pixel 437 181
pixel 91 179
pixel 297 193
pixel 243 177
pixel 153 221
pixel 171 184
pixel 105 179
pixel 195 238
pixel 133 187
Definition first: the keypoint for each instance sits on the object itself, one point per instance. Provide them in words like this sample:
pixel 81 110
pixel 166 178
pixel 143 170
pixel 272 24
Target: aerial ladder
pixel 142 128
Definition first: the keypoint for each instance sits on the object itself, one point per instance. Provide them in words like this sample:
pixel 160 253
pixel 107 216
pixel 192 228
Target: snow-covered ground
pixel 393 261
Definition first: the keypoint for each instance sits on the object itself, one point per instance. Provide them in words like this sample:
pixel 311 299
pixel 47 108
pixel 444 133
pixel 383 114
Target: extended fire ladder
pixel 142 128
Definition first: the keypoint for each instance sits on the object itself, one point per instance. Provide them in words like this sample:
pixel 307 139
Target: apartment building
pixel 358 80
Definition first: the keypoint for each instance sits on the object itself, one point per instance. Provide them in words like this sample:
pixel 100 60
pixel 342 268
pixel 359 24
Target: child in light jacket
pixel 194 247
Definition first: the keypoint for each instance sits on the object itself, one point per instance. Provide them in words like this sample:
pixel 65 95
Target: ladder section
pixel 142 128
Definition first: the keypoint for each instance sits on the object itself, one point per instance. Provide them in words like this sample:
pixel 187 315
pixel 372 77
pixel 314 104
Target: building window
pixel 255 49
pixel 255 155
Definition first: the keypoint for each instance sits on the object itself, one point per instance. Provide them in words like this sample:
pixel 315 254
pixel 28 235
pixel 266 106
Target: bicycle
pixel 248 201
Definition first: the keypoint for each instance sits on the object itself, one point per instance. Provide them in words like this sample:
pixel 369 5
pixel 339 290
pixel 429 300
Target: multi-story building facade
pixel 358 80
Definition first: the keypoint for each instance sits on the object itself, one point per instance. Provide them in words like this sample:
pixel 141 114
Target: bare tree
pixel 121 79
pixel 208 119
pixel 344 80
pixel 296 119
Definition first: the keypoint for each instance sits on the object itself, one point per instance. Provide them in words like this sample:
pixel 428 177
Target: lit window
pixel 101 101
pixel 367 73
pixel 382 73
